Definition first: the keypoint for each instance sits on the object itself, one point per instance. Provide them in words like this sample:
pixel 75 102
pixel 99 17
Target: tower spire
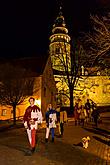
pixel 59 21
pixel 60 5
pixel 60 11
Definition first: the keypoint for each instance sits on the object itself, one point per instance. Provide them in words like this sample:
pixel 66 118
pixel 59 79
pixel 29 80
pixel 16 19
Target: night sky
pixel 26 26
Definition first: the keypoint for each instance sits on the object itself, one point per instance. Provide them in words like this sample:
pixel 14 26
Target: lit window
pixel 4 112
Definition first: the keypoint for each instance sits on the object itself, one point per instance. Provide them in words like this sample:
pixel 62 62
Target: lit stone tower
pixel 60 52
pixel 59 42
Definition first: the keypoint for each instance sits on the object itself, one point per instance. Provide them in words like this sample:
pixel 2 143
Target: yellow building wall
pixel 96 88
pixel 100 90
pixel 48 92
pixel 20 109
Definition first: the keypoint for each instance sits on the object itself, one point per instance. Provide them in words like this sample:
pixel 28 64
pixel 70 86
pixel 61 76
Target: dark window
pixel 57 49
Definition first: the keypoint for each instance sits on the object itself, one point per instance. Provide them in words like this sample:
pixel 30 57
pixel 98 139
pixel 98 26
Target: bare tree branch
pixel 15 86
pixel 97 42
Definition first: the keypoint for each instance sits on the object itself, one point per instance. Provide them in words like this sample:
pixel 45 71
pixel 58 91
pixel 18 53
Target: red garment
pixel 27 115
pixel 33 134
pixel 31 119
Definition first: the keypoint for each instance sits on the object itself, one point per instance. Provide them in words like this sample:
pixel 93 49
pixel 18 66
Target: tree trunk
pixel 14 114
pixel 71 100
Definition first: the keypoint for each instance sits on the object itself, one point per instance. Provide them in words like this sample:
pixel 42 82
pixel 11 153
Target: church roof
pixel 35 65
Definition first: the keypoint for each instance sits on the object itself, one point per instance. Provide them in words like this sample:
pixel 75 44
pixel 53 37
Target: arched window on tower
pixel 57 50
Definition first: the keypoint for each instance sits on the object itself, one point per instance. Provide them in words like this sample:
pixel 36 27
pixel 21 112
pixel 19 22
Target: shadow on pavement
pixel 70 154
pixel 103 130
pixel 13 145
pixel 11 126
pixel 98 131
pixel 78 144
pixel 60 152
pixel 102 140
pixel 19 148
pixel 5 128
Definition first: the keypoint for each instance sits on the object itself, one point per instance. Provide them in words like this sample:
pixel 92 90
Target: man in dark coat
pixel 95 115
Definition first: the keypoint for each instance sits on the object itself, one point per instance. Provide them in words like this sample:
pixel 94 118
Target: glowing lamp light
pixel 38 102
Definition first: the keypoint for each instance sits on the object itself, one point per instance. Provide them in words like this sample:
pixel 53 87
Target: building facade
pixel 95 87
pixel 44 90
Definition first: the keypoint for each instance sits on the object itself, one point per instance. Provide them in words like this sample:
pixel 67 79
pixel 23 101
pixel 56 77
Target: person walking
pixel 76 114
pixel 79 107
pixel 82 115
pixel 93 107
pixel 95 114
pixel 62 118
pixel 88 107
pixel 51 119
pixel 32 117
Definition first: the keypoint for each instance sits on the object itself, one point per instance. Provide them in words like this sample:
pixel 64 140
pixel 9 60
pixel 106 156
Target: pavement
pixel 64 151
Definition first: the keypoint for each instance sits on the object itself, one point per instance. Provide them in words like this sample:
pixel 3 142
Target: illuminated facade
pixel 44 90
pixel 95 87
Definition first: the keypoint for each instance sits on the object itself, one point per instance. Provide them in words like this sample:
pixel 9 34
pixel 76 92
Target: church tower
pixel 59 42
pixel 59 49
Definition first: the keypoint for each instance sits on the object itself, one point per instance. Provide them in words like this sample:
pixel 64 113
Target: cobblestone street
pixel 64 151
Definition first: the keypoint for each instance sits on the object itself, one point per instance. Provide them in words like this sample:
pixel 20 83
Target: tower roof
pixel 59 24
pixel 60 21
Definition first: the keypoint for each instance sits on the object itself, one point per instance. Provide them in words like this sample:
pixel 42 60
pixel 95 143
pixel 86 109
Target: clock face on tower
pixel 59 21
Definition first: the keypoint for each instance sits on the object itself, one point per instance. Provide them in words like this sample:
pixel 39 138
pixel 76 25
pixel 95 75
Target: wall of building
pixel 96 88
pixel 48 93
pixel 99 90
pixel 6 111
pixel 44 93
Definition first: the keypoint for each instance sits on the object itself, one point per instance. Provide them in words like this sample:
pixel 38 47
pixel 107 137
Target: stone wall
pixel 48 93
